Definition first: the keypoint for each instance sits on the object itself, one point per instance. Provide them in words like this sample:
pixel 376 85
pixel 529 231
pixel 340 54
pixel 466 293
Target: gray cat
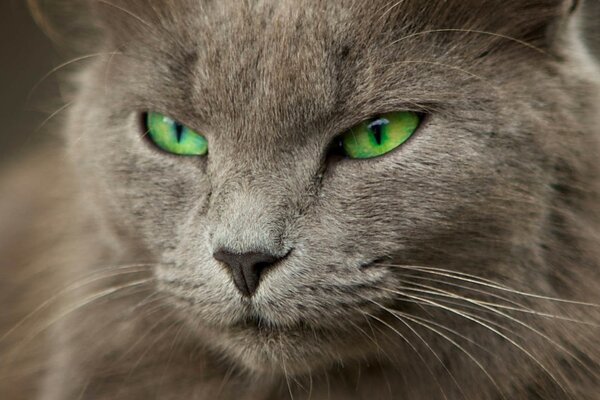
pixel 314 199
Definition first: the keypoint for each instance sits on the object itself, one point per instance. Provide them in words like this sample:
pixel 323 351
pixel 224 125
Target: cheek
pixel 163 205
pixel 434 190
pixel 151 194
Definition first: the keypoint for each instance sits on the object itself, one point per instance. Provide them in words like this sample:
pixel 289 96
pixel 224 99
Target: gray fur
pixel 500 183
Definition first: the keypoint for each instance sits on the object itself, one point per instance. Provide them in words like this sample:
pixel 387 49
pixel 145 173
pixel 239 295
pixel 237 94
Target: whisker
pixel 422 340
pixel 364 333
pixel 64 65
pixel 454 332
pixel 499 326
pixel 462 349
pixel 447 66
pixel 106 74
pixel 479 303
pixel 128 12
pixel 388 10
pixel 310 383
pixel 486 282
pixel 479 32
pixel 490 328
pixel 171 353
pixel 366 315
pixel 448 273
pixel 408 342
pixel 151 298
pixel 148 332
pixel 285 371
pixel 531 328
pixel 53 115
pixel 74 286
pixel 86 302
pixel 151 345
pixel 226 379
pixel 470 288
pixel 84 389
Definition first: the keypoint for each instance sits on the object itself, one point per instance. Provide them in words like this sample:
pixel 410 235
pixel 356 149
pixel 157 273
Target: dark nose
pixel 246 268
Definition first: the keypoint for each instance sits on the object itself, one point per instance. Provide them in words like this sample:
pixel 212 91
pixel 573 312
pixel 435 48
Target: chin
pixel 299 351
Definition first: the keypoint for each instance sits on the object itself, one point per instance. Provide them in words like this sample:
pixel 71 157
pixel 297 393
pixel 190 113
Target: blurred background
pixel 26 55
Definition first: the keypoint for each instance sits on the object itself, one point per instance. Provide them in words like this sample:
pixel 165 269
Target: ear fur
pixel 80 25
pixel 558 28
pixel 539 23
pixel 69 24
pixel 128 19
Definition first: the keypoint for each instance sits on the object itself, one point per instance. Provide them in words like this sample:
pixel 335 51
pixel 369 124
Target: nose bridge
pixel 256 199
pixel 249 217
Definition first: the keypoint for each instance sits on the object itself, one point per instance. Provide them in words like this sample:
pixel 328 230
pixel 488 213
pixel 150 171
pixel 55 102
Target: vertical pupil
pixel 178 131
pixel 377 133
pixel 376 127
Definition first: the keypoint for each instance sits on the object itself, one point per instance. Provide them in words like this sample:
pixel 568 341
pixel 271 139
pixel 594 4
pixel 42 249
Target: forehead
pixel 274 65
pixel 412 15
pixel 270 58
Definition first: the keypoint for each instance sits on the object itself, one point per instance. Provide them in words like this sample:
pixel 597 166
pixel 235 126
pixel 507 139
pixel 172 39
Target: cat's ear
pixel 127 19
pixel 540 23
pixel 559 22
pixel 543 24
pixel 489 24
pixel 72 25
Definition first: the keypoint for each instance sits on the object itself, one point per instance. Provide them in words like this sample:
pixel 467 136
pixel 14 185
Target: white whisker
pixel 408 342
pixel 479 32
pixel 75 286
pixel 485 282
pixel 90 300
pixel 63 65
pixel 509 317
pixel 490 328
pixel 462 349
pixel 126 11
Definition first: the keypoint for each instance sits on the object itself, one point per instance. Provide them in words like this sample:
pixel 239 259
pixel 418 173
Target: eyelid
pixel 423 117
pixel 422 110
pixel 378 121
pixel 194 127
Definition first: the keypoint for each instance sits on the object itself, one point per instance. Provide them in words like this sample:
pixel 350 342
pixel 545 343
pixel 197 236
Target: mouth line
pixel 256 323
pixel 251 320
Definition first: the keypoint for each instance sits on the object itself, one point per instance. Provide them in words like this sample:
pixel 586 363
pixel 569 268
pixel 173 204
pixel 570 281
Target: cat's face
pixel 270 86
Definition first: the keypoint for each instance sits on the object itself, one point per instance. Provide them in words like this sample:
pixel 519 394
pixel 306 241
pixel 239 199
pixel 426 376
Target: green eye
pixel 379 135
pixel 173 137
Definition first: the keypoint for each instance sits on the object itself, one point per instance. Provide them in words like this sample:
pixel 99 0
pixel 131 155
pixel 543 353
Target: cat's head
pixel 276 245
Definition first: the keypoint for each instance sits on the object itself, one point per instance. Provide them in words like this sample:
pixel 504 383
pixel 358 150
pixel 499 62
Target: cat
pixel 276 263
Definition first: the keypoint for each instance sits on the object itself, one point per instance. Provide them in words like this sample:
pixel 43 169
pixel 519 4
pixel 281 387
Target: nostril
pixel 246 268
pixel 260 267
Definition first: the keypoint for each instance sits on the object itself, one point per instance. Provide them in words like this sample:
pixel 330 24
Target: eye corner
pixel 142 117
pixel 336 148
pixel 142 123
pixel 423 117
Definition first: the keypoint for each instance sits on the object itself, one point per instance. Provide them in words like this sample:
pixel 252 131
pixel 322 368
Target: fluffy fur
pixel 463 265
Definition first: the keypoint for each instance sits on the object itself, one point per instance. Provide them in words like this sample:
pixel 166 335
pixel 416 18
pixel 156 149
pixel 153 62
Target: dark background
pixel 26 55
